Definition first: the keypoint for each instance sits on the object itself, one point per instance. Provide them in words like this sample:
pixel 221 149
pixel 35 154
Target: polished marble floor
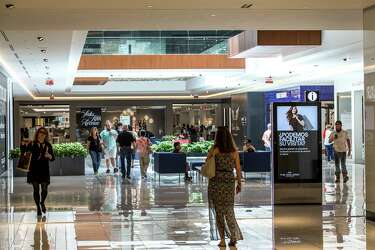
pixel 106 212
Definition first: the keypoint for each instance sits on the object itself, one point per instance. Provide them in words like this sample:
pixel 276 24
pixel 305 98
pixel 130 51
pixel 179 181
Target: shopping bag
pixel 24 162
pixel 208 169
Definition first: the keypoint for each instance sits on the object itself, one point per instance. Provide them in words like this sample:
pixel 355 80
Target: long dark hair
pixel 224 140
pixel 289 114
pixel 41 130
pixel 92 131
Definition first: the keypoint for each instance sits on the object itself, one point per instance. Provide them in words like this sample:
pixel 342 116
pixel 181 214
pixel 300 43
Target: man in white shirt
pixel 342 148
pixel 266 138
pixel 108 137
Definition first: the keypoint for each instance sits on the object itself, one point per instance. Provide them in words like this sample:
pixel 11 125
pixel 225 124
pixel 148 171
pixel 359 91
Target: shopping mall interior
pixel 173 71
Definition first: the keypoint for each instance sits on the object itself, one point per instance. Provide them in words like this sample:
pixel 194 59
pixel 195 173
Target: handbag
pixel 209 168
pixel 24 162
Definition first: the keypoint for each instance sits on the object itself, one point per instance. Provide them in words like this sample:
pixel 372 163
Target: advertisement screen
pixel 297 142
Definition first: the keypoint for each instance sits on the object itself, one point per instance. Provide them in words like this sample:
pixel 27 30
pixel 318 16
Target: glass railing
pixel 138 43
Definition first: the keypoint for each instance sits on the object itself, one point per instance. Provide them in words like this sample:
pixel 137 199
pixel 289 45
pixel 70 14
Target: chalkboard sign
pixel 90 117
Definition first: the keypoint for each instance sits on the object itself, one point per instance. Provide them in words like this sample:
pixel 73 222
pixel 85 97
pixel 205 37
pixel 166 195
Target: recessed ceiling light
pixel 43 50
pixel 149 6
pixel 9 6
pixel 213 15
pixel 45 59
pixel 40 38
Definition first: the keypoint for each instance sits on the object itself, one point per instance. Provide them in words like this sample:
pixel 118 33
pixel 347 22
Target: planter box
pixel 72 166
pixel 197 154
pixel 259 161
pixel 62 166
pixel 169 163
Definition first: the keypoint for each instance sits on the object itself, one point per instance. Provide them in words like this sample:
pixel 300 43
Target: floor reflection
pixel 40 235
pixel 107 212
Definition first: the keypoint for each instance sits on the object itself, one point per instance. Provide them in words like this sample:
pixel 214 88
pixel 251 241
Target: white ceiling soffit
pixel 131 88
pixel 191 5
pixel 183 15
pixel 158 73
pixel 33 61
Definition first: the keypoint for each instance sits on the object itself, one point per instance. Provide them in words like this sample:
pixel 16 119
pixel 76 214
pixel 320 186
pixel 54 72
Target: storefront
pixel 147 118
pixel 65 122
pixel 55 118
pixel 3 122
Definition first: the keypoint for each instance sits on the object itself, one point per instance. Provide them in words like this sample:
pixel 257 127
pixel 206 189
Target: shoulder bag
pixel 24 162
pixel 209 168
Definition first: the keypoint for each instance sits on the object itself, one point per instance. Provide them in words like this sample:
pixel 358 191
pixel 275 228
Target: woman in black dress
pixel 95 148
pixel 38 175
pixel 296 121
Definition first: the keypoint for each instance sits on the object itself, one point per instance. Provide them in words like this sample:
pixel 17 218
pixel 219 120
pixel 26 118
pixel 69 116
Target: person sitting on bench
pixel 177 150
pixel 248 146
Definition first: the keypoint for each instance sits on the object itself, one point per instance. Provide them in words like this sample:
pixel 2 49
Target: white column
pixel 357 126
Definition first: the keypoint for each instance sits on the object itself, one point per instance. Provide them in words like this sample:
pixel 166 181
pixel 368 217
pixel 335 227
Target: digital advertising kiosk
pixel 297 153
pixel 297 174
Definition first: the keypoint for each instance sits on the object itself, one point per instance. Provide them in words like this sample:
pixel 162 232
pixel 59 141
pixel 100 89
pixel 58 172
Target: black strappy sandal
pixel 232 243
pixel 221 244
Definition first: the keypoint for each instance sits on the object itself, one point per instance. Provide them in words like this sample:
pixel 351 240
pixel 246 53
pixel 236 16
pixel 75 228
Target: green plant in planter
pixel 168 138
pixel 191 148
pixel 14 153
pixel 75 149
pixel 164 146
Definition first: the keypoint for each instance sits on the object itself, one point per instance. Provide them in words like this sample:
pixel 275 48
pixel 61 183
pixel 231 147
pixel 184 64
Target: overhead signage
pixel 297 142
pixel 312 96
pixel 281 95
pixel 90 117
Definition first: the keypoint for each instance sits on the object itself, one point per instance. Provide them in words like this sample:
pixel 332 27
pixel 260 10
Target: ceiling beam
pixel 152 62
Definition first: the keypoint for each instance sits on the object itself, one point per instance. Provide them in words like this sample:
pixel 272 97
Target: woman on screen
pixel 296 121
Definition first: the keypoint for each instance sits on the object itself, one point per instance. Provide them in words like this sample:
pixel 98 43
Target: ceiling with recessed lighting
pixel 44 40
pixel 183 15
pixel 340 53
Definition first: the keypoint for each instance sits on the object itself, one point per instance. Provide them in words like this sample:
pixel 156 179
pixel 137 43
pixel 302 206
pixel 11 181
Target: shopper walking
pixel 135 135
pixel 143 147
pixel 95 149
pixel 327 144
pixel 108 137
pixel 222 188
pixel 38 175
pixel 342 148
pixel 267 138
pixel 125 141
